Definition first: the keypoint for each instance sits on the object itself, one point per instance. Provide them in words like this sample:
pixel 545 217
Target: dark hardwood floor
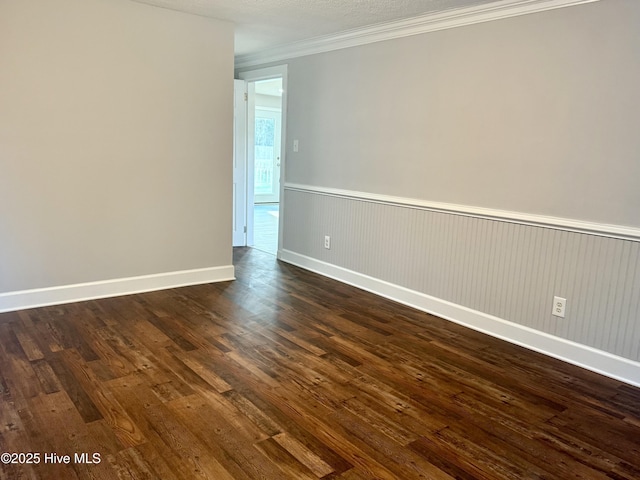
pixel 284 374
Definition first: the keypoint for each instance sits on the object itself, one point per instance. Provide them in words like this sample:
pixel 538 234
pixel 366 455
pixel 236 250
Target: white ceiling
pixel 263 24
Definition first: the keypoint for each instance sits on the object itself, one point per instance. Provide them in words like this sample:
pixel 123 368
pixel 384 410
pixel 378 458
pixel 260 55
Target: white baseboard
pixel 42 297
pixel 599 361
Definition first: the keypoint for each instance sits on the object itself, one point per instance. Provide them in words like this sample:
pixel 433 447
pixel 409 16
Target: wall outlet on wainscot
pixel 327 242
pixel 559 306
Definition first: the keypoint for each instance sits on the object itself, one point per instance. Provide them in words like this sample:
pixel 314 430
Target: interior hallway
pixel 265 230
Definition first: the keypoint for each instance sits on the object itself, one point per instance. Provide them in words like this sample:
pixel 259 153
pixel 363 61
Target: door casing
pixel 240 181
pixel 250 77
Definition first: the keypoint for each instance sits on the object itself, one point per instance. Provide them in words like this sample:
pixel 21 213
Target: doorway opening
pixel 260 111
pixel 266 171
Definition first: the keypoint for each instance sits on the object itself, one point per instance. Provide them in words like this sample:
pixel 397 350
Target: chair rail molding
pixel 572 225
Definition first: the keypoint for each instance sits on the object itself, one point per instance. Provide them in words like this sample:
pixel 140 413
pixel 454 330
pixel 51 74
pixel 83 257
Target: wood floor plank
pixel 233 450
pixel 284 374
pixel 199 364
pixel 291 467
pixel 13 436
pixel 404 463
pixel 301 408
pixel 115 415
pixel 74 389
pixel 131 463
pixel 46 376
pixel 278 421
pixel 305 456
pixel 29 346
pixel 16 366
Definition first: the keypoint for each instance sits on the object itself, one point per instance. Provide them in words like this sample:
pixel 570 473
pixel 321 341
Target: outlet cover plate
pixel 559 306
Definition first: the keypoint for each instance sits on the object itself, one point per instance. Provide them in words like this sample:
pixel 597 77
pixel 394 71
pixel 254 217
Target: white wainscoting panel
pixel 501 269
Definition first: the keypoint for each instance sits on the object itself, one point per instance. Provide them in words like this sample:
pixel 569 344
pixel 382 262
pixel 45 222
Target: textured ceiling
pixel 262 24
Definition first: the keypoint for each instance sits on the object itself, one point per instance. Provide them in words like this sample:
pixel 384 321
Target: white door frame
pixel 239 164
pixel 252 76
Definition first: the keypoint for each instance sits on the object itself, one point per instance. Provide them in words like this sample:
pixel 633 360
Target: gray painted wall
pixel 536 114
pixel 115 141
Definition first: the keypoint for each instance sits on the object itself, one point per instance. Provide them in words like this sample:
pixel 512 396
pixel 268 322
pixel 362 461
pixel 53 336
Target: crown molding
pixel 403 28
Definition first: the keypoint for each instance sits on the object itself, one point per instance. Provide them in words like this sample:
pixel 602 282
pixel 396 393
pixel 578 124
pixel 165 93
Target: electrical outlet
pixel 559 306
pixel 296 145
pixel 327 242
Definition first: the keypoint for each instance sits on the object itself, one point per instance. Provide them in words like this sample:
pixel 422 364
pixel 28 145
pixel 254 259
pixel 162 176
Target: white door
pixel 268 130
pixel 240 164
